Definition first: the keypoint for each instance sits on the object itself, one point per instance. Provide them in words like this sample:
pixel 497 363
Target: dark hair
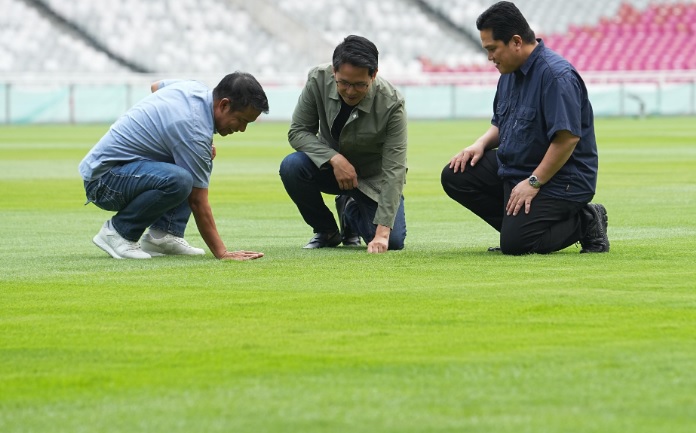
pixel 243 91
pixel 505 20
pixel 357 51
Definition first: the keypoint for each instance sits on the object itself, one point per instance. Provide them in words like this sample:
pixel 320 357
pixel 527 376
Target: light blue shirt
pixel 174 124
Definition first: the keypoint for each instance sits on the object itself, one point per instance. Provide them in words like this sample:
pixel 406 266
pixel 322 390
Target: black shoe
pixel 493 249
pixel 595 239
pixel 348 237
pixel 322 240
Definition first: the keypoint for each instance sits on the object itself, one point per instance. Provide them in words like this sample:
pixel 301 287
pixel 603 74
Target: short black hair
pixel 357 51
pixel 505 20
pixel 243 90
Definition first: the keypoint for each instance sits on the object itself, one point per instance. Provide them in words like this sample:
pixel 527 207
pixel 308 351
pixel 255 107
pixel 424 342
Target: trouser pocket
pixel 99 193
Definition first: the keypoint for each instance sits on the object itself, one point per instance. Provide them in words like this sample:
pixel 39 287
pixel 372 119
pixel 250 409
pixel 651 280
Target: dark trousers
pixel 551 224
pixel 305 183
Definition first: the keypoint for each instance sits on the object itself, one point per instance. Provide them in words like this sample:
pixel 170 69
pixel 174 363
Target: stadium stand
pixel 545 16
pixel 285 37
pixel 34 42
pixel 402 30
pixel 659 37
pixel 214 35
pixel 596 35
pixel 182 36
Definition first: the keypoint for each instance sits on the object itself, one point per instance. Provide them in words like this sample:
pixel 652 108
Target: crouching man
pixel 153 166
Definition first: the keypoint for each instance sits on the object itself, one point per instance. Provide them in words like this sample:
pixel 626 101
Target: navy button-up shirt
pixel 532 104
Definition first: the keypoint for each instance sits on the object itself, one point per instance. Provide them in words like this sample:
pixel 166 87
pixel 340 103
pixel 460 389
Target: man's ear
pixel 225 104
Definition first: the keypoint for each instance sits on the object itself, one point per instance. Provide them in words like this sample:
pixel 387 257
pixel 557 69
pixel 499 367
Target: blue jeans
pixel 305 182
pixel 144 193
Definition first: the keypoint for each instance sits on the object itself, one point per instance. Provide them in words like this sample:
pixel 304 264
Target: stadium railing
pixel 38 98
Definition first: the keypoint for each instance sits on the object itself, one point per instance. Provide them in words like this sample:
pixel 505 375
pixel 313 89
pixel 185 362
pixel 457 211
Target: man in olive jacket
pixel 349 131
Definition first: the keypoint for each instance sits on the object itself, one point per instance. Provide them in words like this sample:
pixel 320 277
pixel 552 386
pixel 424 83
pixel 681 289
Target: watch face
pixel 534 181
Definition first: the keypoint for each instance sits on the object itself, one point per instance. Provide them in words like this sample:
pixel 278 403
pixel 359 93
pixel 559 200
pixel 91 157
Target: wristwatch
pixel 534 181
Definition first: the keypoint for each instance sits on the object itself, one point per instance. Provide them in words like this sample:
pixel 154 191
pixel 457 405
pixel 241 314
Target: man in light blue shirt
pixel 153 166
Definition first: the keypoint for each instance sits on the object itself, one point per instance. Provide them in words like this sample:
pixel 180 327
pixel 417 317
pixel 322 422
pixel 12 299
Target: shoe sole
pixel 351 241
pixel 104 246
pixel 155 250
pixel 328 245
pixel 325 246
pixel 605 223
pixel 154 253
pixel 605 226
pixel 110 251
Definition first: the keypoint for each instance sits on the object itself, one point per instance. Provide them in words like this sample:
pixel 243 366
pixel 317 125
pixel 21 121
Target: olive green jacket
pixel 373 140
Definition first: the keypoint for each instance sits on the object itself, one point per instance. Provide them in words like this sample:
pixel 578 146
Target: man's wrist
pixel 335 158
pixel 382 231
pixel 535 182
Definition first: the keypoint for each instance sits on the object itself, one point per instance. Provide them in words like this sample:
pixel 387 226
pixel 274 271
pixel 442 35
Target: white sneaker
pixel 119 248
pixel 169 245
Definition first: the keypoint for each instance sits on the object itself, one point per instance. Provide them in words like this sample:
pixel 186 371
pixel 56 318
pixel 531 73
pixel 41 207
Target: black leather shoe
pixel 595 239
pixel 323 240
pixel 348 236
pixel 493 249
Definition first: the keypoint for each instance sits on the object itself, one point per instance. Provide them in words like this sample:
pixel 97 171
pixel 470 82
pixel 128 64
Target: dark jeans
pixel 144 193
pixel 305 182
pixel 551 224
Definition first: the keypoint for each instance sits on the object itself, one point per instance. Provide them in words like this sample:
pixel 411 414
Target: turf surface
pixel 440 337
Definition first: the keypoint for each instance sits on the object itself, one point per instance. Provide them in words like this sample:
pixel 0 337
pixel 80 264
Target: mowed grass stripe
pixel 442 336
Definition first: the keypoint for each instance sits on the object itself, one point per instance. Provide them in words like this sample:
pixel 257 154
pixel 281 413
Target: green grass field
pixel 440 337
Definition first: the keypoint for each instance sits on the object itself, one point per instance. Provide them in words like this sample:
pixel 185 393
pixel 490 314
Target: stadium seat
pixel 216 36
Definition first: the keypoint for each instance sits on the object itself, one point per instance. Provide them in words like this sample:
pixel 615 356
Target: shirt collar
pixel 212 109
pixel 527 65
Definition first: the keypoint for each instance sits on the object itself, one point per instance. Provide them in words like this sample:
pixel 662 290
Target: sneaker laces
pixel 131 245
pixel 180 241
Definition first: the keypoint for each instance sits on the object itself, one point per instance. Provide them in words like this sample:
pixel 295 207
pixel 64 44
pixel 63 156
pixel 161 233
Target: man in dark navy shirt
pixel 532 175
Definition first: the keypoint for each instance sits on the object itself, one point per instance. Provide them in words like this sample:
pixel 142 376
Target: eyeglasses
pixel 345 85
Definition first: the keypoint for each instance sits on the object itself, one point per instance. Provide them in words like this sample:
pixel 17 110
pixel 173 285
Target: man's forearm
pixel 556 156
pixel 383 231
pixel 318 152
pixel 206 227
pixel 203 214
pixel 490 139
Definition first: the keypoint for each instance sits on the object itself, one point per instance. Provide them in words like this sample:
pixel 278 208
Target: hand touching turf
pixel 240 255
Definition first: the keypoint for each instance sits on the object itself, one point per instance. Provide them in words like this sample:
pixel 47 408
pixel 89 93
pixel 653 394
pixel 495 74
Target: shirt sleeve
pixel 562 102
pixel 165 83
pixel 192 150
pixel 495 120
pixel 305 125
pixel 394 168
